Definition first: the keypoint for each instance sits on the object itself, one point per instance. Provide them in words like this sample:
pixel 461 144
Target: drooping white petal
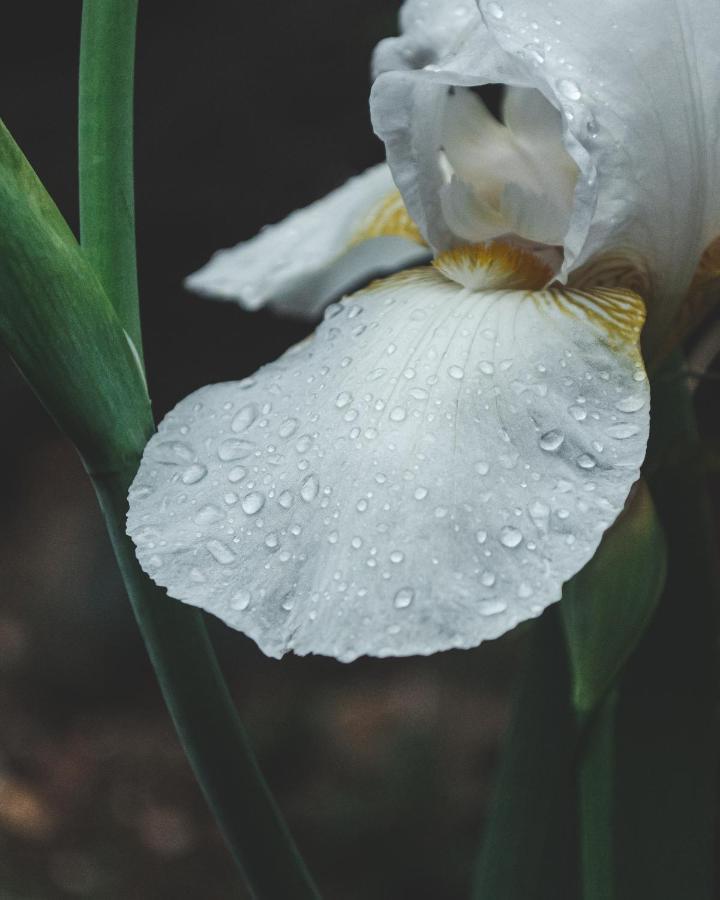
pixel 358 231
pixel 638 85
pixel 423 474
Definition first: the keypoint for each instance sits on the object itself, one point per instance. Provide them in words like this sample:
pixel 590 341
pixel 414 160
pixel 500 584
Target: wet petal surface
pixel 424 473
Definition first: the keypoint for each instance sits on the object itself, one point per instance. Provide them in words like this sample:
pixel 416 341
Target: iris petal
pixel 638 86
pixel 358 231
pixel 423 474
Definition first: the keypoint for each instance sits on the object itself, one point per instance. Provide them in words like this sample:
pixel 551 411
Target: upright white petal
pixel 424 474
pixel 358 231
pixel 638 85
pixel 429 29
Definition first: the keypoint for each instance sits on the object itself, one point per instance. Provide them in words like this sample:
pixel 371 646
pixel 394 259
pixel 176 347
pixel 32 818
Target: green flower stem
pixel 203 712
pixel 530 849
pixel 105 148
pixel 596 793
pixel 175 635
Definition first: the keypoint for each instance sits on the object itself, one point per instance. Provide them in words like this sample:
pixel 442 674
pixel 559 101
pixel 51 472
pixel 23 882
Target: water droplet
pixel 361 505
pixel 398 414
pixel 272 542
pixel 173 452
pixel 495 10
pixel 579 413
pixel 245 417
pixel 240 600
pixel 333 537
pixel 404 598
pixel 482 468
pixel 253 502
pixel 586 461
pixel 622 431
pixel 488 578
pixel 235 449
pixel 510 537
pixel 194 473
pixel 397 556
pixel 220 552
pixel 569 89
pixel 420 493
pixel 525 590
pixel 285 499
pixel 456 372
pixel 630 404
pixel 552 441
pixel 481 536
pixel 419 393
pixel 534 53
pixel 208 514
pixel 237 473
pixel 487 368
pixel 288 428
pixel 343 399
pixel 309 488
pixel 492 607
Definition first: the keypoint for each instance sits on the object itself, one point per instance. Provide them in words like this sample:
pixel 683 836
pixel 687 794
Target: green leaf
pixel 60 327
pixel 666 823
pixel 607 606
pixel 530 845
pixel 105 150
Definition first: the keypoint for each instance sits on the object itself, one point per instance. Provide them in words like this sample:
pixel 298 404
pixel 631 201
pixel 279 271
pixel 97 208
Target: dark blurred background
pixel 244 113
pixel 384 768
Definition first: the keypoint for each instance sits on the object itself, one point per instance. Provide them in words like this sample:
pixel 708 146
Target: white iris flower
pixel 448 449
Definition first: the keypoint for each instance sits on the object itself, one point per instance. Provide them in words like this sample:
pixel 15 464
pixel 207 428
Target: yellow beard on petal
pixel 619 312
pixel 494 266
pixel 388 218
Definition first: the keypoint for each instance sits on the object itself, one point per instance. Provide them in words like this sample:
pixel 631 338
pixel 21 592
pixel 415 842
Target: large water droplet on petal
pixel 220 552
pixel 552 441
pixel 569 88
pixel 404 597
pixel 253 502
pixel 510 537
pixel 586 461
pixel 240 600
pixel 235 449
pixel 245 417
pixel 309 488
pixel 623 431
pixel 630 404
pixel 194 473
